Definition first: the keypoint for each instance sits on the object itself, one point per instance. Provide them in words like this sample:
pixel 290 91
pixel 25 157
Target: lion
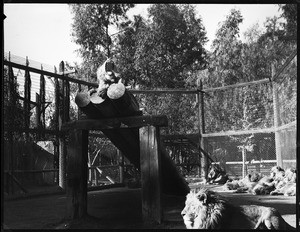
pixel 217 175
pixel 257 184
pixel 106 75
pixel 244 185
pixel 206 210
pixel 287 185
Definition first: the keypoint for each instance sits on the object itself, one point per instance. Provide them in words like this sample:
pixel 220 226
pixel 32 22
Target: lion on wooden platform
pixel 206 210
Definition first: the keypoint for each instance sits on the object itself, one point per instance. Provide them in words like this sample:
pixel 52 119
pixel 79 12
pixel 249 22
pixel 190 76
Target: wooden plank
pixel 125 122
pixel 33 171
pixel 77 174
pixel 34 130
pixel 150 174
pixel 127 141
pixel 126 105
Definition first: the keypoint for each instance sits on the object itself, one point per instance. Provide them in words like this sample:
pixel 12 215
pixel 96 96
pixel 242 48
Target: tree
pixel 172 41
pixel 162 52
pixel 126 47
pixel 226 50
pixel 290 14
pixel 90 30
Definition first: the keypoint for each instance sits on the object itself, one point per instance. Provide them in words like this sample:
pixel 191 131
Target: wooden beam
pixel 125 122
pixel 34 130
pixel 76 187
pixel 150 174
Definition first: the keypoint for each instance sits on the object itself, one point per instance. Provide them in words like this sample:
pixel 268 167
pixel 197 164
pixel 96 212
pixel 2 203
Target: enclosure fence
pixel 244 127
pixel 253 126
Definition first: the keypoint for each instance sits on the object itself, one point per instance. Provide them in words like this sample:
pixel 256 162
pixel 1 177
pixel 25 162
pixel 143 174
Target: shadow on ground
pixel 120 208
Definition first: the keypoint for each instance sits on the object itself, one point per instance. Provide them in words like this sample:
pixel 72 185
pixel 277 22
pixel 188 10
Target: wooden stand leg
pixel 150 174
pixel 77 174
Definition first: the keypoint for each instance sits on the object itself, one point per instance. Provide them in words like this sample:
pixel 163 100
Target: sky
pixel 43 31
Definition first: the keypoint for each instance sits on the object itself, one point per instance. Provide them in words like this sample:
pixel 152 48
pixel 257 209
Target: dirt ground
pixel 120 208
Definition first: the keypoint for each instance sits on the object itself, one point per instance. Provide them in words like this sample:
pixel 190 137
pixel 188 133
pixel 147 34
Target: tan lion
pixel 206 210
pixel 287 185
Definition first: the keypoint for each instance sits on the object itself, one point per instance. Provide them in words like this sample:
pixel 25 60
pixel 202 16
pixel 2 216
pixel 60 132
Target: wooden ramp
pixel 118 119
pixel 127 139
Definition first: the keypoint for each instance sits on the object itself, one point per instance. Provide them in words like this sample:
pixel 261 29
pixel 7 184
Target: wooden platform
pixel 138 137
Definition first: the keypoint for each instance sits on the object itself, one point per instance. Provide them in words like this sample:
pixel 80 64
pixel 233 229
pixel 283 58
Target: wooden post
pixel 63 117
pixel 150 174
pixel 121 165
pixel 67 102
pixel 42 102
pixel 61 143
pixel 56 119
pixel 276 120
pixel 96 176
pixel 78 110
pixel 38 114
pixel 27 93
pixel 76 187
pixel 12 102
pixel 203 159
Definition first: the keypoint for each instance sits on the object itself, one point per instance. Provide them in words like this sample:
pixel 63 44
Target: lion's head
pixel 215 171
pixel 203 210
pixel 277 173
pixel 291 175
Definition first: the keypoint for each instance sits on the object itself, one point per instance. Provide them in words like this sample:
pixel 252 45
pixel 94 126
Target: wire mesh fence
pixel 240 131
pixel 254 126
pixel 181 110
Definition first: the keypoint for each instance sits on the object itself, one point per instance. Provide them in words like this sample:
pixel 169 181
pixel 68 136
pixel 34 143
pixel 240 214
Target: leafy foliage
pixel 172 41
pixel 290 14
pixel 90 29
pixel 166 50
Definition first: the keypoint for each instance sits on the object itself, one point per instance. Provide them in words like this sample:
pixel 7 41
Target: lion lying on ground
pixel 286 185
pixel 253 183
pixel 279 182
pixel 217 175
pixel 206 210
